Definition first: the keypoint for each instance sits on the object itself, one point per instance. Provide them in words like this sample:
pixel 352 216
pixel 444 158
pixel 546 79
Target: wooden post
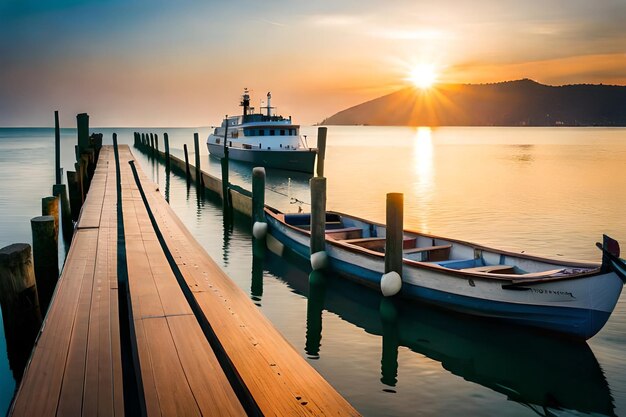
pixel 166 141
pixel 156 144
pixel 196 146
pixel 318 214
pixel 186 162
pixel 50 207
pixel 395 233
pixel 152 142
pixel 60 191
pixel 258 194
pixel 57 148
pixel 224 162
pixel 321 150
pixel 82 121
pixel 225 183
pixel 46 257
pixel 17 274
pixel 74 194
pixel 20 304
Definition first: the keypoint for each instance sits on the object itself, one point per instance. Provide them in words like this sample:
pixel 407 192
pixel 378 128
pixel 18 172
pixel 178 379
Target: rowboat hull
pixel 577 306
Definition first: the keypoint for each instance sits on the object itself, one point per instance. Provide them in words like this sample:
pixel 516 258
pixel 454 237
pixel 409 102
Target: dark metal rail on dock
pixel 144 322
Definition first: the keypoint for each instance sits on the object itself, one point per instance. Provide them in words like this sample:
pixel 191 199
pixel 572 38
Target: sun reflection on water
pixel 423 163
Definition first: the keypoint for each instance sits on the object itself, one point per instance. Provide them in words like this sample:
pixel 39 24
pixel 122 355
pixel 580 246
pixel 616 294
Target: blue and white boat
pixel 568 297
pixel 266 140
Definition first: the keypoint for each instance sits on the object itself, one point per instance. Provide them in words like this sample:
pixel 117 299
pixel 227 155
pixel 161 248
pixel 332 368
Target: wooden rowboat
pixel 568 297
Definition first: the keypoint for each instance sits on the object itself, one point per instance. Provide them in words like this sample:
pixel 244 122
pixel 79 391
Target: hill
pixel 511 103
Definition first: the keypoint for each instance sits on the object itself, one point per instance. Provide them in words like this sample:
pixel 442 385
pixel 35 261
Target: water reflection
pixel 314 308
pixel 523 153
pixel 258 257
pixel 423 163
pixel 537 370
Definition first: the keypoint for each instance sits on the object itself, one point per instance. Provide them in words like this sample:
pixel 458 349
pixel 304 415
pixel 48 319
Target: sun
pixel 423 76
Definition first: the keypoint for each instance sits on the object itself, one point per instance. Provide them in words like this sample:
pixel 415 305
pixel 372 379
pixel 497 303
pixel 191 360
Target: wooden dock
pixel 144 322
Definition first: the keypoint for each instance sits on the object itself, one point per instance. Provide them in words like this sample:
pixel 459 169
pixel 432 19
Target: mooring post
pixel 46 257
pixel 224 162
pixel 17 279
pixel 186 162
pixel 67 226
pixel 321 150
pixel 50 207
pixel 225 181
pixel 391 281
pixel 166 143
pixel 259 225
pixel 20 304
pixel 82 122
pixel 57 148
pixel 196 147
pixel 156 144
pixel 319 258
pixel 74 194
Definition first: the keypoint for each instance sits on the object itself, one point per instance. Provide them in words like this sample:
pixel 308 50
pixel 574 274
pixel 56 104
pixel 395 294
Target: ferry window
pixel 282 132
pixel 271 132
pixel 261 132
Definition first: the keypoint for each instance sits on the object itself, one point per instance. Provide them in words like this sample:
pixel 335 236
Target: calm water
pixel 545 191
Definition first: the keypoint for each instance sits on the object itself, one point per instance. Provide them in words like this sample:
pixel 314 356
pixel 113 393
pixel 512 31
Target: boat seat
pixel 345 233
pixel 429 253
pixel 500 269
pixel 373 243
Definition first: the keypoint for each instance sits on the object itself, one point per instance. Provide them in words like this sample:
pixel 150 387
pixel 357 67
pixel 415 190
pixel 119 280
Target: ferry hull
pixel 577 307
pixel 290 160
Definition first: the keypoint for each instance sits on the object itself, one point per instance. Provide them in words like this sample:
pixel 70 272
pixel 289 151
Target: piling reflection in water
pixel 390 342
pixel 258 257
pixel 537 370
pixel 314 308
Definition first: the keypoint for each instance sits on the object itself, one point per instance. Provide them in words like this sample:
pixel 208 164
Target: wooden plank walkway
pixel 202 347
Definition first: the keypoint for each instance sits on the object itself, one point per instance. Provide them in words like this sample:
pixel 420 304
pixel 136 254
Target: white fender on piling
pixel 319 260
pixel 259 230
pixel 390 283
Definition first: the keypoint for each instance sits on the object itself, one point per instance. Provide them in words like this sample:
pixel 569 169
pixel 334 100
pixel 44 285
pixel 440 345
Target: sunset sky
pixel 185 63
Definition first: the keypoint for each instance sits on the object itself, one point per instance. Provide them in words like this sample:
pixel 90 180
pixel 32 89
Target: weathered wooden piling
pixel 156 143
pixel 318 214
pixel 57 148
pixel 391 281
pixel 186 162
pixel 82 122
pixel 321 150
pixel 166 143
pixel 152 142
pixel 224 163
pixel 20 304
pixel 74 192
pixel 50 207
pixel 17 276
pixel 395 233
pixel 67 226
pixel 196 147
pixel 46 257
pixel 258 194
